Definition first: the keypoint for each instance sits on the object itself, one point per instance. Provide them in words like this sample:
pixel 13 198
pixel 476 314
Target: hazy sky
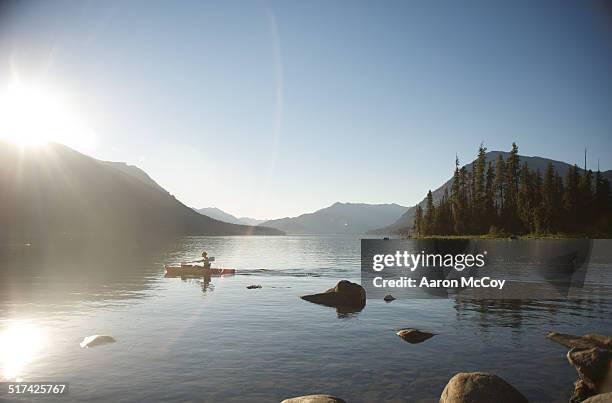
pixel 270 109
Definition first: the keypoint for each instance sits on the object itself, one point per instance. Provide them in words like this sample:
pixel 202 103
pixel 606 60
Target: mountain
pixel 340 218
pixel 219 214
pixel 53 190
pixel 251 221
pixel 535 163
pixel 134 172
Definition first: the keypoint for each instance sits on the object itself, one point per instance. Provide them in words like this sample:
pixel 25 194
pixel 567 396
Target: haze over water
pixel 185 339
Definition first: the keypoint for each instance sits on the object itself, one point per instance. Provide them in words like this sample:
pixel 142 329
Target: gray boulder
pixel 480 387
pixel 345 296
pixel 314 399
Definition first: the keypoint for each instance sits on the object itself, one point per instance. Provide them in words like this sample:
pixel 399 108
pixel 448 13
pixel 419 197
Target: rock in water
pixel 413 335
pixel 591 355
pixel 592 364
pixel 96 340
pixel 389 298
pixel 480 387
pixel 253 286
pixel 603 398
pixel 345 295
pixel 314 399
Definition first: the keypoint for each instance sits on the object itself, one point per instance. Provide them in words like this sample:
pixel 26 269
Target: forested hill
pixel 534 163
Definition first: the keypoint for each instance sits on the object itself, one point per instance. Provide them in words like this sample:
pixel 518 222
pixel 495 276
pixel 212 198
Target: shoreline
pixel 510 237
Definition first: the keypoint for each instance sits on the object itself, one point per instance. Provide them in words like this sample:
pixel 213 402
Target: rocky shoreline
pixel 590 354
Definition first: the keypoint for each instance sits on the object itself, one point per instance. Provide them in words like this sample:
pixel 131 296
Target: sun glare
pixel 19 343
pixel 33 115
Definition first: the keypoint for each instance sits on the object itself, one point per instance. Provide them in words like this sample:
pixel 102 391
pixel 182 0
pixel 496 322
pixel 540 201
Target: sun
pixel 31 114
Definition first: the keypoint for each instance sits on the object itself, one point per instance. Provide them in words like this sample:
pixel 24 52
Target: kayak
pixel 194 270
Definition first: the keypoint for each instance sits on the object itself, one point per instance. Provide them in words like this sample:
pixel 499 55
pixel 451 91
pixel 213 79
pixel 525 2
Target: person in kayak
pixel 205 261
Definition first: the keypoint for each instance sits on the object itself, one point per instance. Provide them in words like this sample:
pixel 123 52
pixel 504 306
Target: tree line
pixel 507 197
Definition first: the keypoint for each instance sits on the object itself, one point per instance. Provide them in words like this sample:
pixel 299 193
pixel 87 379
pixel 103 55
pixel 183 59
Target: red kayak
pixel 194 270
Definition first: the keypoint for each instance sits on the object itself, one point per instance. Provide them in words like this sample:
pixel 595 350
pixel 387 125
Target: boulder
pixel 592 364
pixel 591 355
pixel 96 340
pixel 582 390
pixel 480 387
pixel 602 398
pixel 314 399
pixel 345 295
pixel 413 335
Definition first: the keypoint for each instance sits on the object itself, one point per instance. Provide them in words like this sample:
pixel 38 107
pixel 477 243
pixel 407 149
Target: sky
pixel 271 109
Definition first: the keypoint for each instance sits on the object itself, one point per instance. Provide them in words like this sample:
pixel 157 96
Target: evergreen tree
pixel 511 218
pixel 500 189
pixel 478 191
pixel 586 213
pixel 571 196
pixel 418 221
pixel 429 215
pixel 550 197
pixel 538 203
pixel 489 202
pixel 527 202
pixel 457 200
pixel 602 193
pixel 462 221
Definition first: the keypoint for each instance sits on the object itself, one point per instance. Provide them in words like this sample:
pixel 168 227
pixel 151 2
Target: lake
pixel 189 340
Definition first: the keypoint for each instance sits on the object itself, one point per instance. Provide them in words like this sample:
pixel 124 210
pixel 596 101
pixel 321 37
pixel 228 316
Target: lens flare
pixel 31 114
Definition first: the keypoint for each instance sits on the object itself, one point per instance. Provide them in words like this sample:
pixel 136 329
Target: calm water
pixel 188 340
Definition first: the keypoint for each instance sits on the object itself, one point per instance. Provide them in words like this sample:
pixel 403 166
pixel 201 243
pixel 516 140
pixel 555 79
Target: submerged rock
pixel 602 398
pixel 389 298
pixel 253 286
pixel 589 340
pixel 96 340
pixel 413 335
pixel 314 399
pixel 481 387
pixel 346 296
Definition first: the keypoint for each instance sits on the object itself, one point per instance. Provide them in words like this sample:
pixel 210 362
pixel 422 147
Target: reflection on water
pixel 516 313
pixel 214 340
pixel 19 344
pixel 205 283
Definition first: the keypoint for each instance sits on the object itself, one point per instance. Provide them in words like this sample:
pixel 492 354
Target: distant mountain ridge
pixel 218 214
pixel 52 189
pixel 251 221
pixel 340 218
pixel 534 163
